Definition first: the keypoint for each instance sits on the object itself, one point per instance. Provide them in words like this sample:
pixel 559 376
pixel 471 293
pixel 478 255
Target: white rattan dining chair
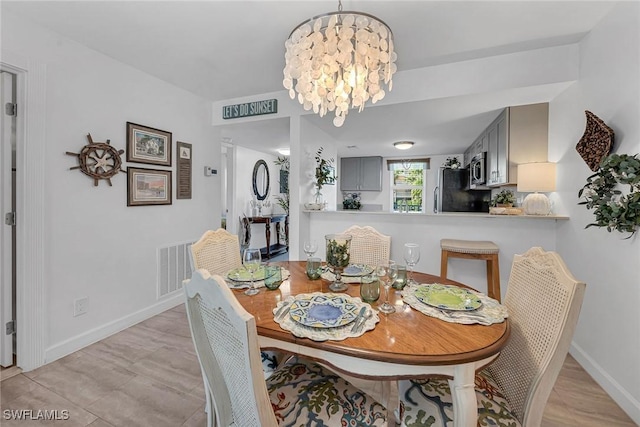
pixel 368 245
pixel 217 252
pixel 544 301
pixel 298 393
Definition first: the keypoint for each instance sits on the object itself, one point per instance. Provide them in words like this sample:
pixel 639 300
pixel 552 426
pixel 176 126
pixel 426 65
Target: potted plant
pixel 452 163
pixel 351 201
pixel 324 175
pixel 505 198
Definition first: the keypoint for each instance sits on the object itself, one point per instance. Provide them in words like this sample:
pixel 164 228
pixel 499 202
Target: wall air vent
pixel 174 266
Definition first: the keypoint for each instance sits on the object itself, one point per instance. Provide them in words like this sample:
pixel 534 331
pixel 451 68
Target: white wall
pixel 96 246
pixel 243 171
pixel 607 340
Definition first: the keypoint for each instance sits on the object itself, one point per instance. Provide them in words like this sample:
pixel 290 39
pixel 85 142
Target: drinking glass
pixel 369 288
pixel 310 247
pixel 385 269
pixel 314 268
pixel 401 278
pixel 251 261
pixel 411 257
pixel 272 277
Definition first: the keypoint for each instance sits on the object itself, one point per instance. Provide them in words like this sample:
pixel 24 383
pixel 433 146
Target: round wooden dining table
pixel 405 344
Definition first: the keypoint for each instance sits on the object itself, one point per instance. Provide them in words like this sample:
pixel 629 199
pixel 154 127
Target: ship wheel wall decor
pixel 98 160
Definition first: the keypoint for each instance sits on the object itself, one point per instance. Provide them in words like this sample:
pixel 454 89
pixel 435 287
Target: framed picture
pixel 148 187
pixel 332 175
pixel 148 145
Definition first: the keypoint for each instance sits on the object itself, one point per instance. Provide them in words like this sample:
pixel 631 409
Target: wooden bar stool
pixel 474 249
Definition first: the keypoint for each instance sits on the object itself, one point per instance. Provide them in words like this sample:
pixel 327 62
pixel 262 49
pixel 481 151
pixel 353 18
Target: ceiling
pixel 227 49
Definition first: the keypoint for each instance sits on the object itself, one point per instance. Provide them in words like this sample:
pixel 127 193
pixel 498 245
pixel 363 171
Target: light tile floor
pixel 148 375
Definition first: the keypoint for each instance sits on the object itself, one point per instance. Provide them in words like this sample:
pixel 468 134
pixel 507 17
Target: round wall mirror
pixel 261 180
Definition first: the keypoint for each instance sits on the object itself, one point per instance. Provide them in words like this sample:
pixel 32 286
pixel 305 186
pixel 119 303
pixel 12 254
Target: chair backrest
pixel 226 342
pixel 217 252
pixel 244 233
pixel 544 301
pixel 368 246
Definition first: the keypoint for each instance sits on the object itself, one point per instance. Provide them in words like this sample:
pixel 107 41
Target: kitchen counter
pixel 514 234
pixel 439 215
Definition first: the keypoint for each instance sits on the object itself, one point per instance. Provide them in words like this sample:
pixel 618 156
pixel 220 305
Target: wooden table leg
pixel 278 233
pixel 267 234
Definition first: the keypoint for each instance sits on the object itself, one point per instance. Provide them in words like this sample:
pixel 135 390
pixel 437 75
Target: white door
pixel 7 124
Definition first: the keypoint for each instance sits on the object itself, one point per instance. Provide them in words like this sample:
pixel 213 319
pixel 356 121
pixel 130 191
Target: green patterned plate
pixel 448 297
pixel 240 274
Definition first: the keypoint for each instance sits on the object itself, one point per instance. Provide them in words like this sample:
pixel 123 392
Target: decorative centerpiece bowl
pixel 338 246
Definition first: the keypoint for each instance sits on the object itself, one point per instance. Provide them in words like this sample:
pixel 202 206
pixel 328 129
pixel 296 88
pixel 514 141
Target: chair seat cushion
pixel 305 393
pixel 469 246
pixel 270 361
pixel 428 403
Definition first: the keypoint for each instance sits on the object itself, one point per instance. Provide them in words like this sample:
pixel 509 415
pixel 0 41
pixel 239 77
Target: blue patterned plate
pixel 448 297
pixel 356 270
pixel 323 311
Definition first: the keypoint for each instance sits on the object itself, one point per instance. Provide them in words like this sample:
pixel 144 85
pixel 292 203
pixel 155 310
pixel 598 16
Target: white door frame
pixel 31 292
pixel 6 206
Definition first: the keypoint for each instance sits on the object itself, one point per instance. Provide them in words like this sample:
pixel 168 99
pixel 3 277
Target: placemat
pixel 489 313
pixel 258 283
pixel 323 334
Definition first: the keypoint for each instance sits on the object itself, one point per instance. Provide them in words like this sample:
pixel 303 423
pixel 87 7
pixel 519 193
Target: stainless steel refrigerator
pixel 452 193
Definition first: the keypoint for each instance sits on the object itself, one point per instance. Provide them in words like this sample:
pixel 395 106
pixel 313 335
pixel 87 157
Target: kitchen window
pixel 408 181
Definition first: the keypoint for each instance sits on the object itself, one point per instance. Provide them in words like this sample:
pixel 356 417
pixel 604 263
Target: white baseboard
pixel 78 342
pixel 621 396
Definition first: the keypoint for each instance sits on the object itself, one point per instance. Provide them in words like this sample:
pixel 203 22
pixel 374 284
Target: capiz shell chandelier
pixel 338 61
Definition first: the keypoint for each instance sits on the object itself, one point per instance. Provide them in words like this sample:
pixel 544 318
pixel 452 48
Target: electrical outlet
pixel 80 306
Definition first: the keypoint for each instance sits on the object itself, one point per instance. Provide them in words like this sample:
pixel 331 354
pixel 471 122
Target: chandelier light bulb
pixel 339 60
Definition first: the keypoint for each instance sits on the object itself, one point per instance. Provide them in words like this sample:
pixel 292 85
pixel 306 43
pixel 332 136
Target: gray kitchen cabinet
pixel 518 135
pixel 361 173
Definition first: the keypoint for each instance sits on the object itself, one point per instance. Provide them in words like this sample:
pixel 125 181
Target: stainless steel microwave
pixel 478 170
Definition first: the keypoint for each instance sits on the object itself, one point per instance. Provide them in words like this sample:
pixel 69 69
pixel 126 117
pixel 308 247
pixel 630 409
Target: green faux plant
pixel 505 197
pixel 283 198
pixel 324 170
pixel 351 201
pixel 337 254
pixel 452 163
pixel 613 209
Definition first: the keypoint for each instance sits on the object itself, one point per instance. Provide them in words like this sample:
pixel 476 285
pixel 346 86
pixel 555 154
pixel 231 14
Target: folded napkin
pixel 489 313
pixel 258 283
pixel 327 275
pixel 287 323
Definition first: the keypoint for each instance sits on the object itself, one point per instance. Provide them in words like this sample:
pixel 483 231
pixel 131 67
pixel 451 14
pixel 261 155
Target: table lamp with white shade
pixel 536 178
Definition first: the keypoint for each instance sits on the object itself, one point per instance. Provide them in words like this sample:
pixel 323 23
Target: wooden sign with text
pixel 248 109
pixel 183 177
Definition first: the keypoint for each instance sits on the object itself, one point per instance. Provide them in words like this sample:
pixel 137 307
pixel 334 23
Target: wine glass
pixel 310 247
pixel 384 269
pixel 411 257
pixel 251 261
